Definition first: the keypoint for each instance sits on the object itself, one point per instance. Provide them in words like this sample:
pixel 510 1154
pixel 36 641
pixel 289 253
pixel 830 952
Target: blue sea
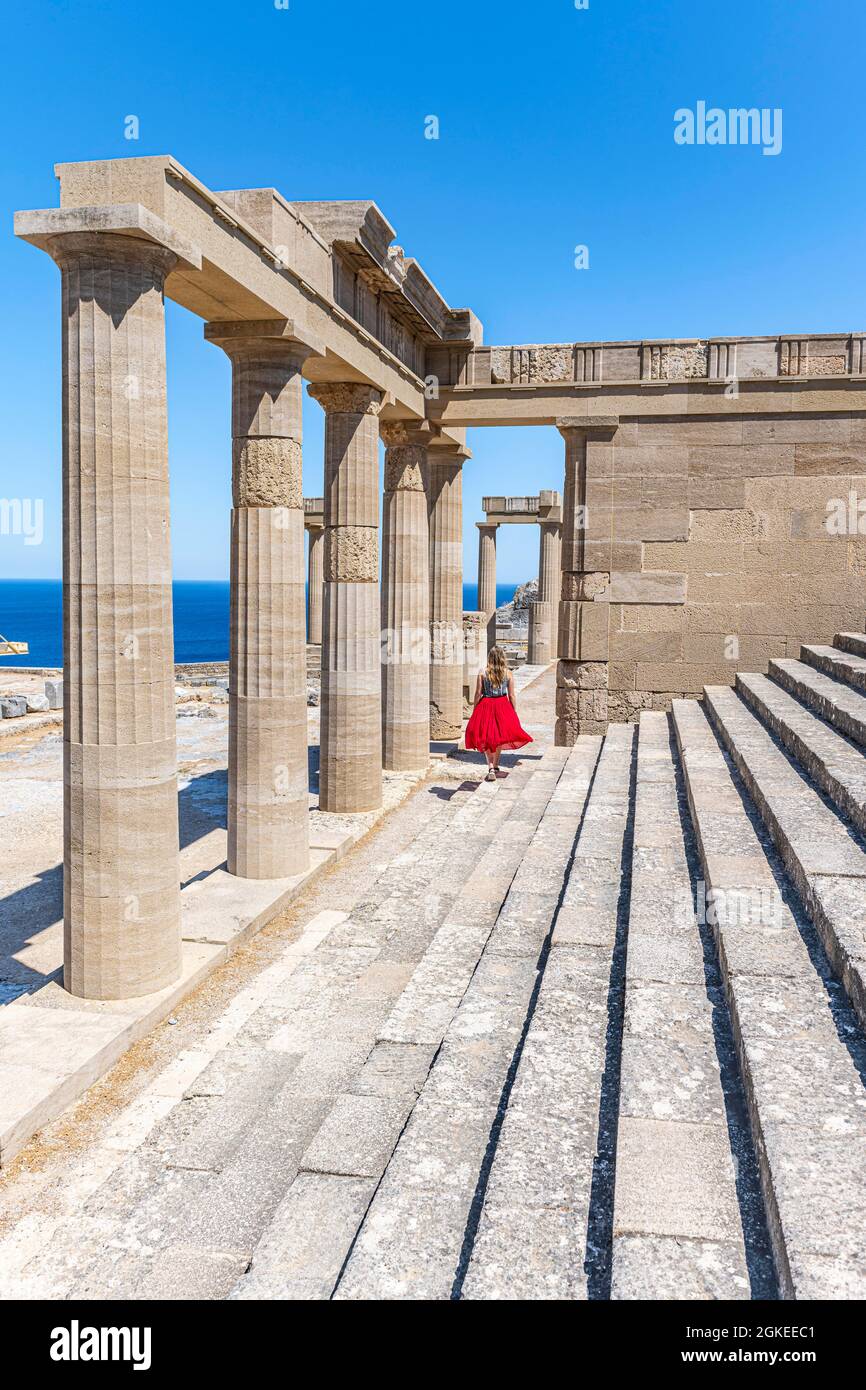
pixel 31 610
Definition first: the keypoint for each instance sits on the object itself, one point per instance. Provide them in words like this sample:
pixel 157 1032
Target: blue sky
pixel 556 129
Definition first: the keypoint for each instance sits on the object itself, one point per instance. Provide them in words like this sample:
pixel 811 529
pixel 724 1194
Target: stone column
pixel 446 592
pixel 121 893
pixel 268 810
pixel 350 770
pixel 405 603
pixel 543 613
pixel 587 515
pixel 487 577
pixel 315 574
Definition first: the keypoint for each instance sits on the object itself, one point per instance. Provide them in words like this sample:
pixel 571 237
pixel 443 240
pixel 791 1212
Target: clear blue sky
pixel 556 129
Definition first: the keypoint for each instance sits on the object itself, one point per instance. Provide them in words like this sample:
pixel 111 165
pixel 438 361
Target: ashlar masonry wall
pixel 734 541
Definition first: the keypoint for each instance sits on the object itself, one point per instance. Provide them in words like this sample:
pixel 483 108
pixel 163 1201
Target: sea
pixel 31 610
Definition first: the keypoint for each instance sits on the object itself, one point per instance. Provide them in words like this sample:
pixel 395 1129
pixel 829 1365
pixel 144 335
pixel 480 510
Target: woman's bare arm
pixel 511 691
pixel 477 690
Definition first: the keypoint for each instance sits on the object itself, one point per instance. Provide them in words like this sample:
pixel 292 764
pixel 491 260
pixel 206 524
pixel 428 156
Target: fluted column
pixel 543 613
pixel 350 769
pixel 405 603
pixel 582 638
pixel 268 813
pixel 487 577
pixel 445 511
pixel 121 895
pixel 315 574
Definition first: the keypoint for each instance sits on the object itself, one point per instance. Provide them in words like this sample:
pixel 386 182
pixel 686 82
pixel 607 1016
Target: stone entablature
pixel 686 359
pixel 385 291
pixel 314 513
pixel 363 308
pixel 545 506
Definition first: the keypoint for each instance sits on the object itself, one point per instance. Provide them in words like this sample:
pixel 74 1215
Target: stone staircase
pixel 597 1031
pixel 612 1095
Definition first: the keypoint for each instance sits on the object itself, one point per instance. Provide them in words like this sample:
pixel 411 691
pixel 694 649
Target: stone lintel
pixel 40 226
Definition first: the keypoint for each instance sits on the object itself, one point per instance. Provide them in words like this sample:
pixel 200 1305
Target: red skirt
pixel 494 724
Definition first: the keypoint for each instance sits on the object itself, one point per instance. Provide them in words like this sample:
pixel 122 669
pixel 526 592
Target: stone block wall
pixel 735 540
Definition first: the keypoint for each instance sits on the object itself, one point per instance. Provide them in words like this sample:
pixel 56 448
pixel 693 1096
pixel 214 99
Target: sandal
pixel 491 776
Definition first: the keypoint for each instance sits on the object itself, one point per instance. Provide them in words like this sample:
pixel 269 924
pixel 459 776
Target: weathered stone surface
pixel 347 398
pixel 351 554
pixel 267 473
pixel 681 1268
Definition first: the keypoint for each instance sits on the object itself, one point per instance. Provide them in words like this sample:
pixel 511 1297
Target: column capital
pixel 347 397
pixel 453 456
pixel 282 337
pixel 120 229
pixel 591 426
pixel 487 525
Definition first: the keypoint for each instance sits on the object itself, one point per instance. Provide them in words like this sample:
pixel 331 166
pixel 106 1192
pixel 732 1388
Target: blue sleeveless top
pixel 491 690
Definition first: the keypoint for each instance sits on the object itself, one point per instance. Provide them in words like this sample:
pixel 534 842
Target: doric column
pixel 315 575
pixel 582 640
pixel 268 813
pixel 445 510
pixel 543 613
pixel 350 768
pixel 121 895
pixel 487 577
pixel 405 603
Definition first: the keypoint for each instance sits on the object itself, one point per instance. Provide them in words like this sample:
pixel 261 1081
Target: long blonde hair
pixel 497 665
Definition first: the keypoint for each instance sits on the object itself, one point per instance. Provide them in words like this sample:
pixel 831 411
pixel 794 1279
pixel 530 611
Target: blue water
pixel 31 611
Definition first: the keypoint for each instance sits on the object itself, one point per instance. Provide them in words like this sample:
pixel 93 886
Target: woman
pixel 494 724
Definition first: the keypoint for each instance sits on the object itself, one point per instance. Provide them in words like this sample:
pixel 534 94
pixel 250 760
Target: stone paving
pixel 588 1032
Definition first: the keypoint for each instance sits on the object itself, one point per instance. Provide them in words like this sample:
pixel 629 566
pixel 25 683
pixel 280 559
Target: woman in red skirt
pixel 494 724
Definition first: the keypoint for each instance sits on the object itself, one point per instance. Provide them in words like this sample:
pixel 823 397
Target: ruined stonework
pixel 541 363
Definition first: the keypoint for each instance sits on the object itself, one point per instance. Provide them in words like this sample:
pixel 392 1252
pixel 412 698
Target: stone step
pixel 677 1225
pixel 342 1167
pixel 534 1236
pixel 824 860
pixel 798 1043
pixel 831 761
pixel 841 665
pixel 188 1207
pixel 854 642
pixel 835 702
pixel 414 1240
